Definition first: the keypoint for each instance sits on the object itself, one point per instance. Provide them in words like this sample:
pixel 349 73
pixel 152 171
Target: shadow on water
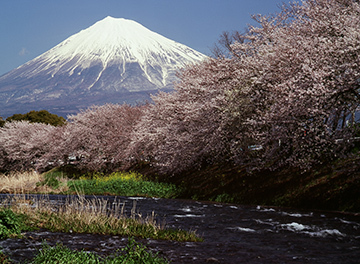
pixel 232 234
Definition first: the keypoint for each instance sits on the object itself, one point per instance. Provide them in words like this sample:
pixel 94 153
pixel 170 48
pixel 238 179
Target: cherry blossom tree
pixel 23 144
pixel 96 137
pixel 189 128
pixel 302 67
pixel 286 88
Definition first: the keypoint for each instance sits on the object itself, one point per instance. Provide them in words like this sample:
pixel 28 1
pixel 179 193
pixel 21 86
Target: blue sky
pixel 28 28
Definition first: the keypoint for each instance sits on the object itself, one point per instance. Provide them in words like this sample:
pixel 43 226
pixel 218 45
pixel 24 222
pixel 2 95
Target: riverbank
pixel 333 187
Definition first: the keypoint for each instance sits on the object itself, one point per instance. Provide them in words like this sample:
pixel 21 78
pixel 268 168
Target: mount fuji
pixel 113 61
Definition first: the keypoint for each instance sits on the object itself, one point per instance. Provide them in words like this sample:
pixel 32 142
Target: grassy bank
pixel 81 215
pixel 116 183
pixel 126 184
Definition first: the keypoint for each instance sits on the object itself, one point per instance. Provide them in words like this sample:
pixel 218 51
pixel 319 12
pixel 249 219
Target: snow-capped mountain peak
pixel 111 58
pixel 114 40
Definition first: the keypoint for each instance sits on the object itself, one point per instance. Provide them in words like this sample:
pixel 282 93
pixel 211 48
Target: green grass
pixel 123 184
pixel 133 253
pixel 9 224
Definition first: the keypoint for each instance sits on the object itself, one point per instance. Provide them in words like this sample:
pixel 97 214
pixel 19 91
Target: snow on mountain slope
pixel 113 41
pixel 113 56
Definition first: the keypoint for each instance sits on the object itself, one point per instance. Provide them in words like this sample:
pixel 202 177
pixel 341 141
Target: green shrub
pixel 41 116
pixel 2 123
pixel 10 224
pixel 51 179
pixel 224 198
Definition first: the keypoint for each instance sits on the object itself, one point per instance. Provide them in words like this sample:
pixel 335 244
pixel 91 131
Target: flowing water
pixel 232 234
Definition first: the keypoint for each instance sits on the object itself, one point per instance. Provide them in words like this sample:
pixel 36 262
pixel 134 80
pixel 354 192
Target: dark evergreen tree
pixel 41 116
pixel 2 122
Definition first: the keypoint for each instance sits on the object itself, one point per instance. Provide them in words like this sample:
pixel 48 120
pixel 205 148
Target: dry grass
pixel 28 182
pixel 24 182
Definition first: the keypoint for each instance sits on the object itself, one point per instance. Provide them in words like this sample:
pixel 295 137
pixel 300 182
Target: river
pixel 232 234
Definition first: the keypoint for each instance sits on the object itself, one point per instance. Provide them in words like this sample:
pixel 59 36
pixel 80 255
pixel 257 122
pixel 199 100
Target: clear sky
pixel 28 28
